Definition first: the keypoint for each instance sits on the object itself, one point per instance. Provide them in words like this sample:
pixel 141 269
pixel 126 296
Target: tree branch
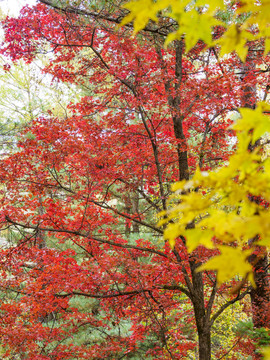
pixel 227 304
pixel 87 236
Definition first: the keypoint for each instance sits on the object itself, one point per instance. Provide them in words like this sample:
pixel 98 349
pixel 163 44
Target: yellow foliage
pixel 234 39
pixel 223 208
pixel 141 11
pixel 232 262
pixel 196 20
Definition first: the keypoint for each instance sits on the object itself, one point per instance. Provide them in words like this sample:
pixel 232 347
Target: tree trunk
pixel 259 295
pixel 128 207
pixel 135 211
pixel 40 235
pixel 205 343
pixel 260 299
pixel 201 315
pixel 195 285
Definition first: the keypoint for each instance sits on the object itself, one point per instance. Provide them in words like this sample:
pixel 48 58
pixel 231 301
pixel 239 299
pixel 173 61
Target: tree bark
pixel 135 211
pixel 197 298
pixel 202 317
pixel 204 344
pixel 260 294
pixel 260 299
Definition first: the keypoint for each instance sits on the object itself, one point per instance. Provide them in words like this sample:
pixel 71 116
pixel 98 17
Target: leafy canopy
pixel 220 204
pixel 226 206
pixel 207 21
pixel 225 209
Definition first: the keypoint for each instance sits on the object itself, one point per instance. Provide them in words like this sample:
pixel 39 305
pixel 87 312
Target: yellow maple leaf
pixel 254 119
pixel 235 39
pixel 198 236
pixel 141 11
pixel 231 262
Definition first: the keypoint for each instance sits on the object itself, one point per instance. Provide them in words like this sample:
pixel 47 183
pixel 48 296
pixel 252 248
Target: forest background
pixel 104 122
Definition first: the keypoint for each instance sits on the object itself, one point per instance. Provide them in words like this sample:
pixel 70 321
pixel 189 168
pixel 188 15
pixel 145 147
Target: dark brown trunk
pixel 174 103
pixel 202 317
pixel 128 211
pixel 260 299
pixel 196 286
pixel 178 117
pixel 40 235
pixel 260 294
pixel 204 344
pixel 135 211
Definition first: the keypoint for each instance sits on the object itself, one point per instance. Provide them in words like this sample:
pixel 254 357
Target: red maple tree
pixel 90 276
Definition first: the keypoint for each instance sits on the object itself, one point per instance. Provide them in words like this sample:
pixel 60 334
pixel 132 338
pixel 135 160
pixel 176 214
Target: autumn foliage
pixel 87 274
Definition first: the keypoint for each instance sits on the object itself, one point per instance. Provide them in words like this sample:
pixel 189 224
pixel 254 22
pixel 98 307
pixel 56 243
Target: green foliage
pixel 261 336
pixel 26 93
